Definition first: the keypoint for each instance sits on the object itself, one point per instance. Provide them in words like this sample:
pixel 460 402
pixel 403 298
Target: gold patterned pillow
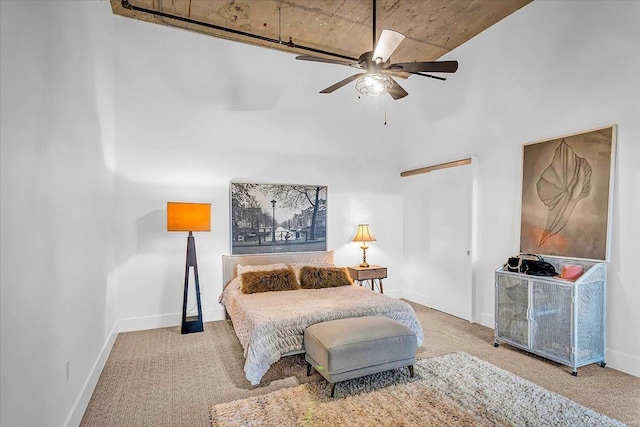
pixel 324 277
pixel 268 281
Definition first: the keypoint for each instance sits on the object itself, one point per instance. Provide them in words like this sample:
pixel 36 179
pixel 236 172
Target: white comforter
pixel 271 324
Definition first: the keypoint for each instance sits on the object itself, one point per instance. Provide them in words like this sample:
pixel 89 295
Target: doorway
pixel 438 239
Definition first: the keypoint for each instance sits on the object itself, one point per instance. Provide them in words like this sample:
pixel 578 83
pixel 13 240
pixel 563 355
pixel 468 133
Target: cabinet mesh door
pixel 551 320
pixel 512 303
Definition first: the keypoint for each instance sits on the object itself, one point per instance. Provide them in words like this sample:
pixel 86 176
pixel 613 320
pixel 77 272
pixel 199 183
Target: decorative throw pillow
pixel 267 281
pixel 299 265
pixel 324 277
pixel 240 269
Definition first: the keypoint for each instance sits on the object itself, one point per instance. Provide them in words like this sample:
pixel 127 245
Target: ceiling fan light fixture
pixel 374 84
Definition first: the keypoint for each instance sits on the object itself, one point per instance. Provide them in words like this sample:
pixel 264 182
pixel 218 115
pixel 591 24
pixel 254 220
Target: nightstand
pixel 369 276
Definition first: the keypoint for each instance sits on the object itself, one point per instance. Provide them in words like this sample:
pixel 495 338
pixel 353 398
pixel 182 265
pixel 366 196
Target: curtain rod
pixel 428 169
pixel 127 5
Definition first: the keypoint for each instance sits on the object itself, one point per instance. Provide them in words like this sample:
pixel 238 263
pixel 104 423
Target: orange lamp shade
pixel 364 234
pixel 188 216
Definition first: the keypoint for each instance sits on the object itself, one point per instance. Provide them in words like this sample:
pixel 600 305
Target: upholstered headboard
pixel 230 262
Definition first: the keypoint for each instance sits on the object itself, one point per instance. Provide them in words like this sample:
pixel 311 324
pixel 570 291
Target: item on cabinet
pixel 515 262
pixel 531 264
pixel 539 268
pixel 571 272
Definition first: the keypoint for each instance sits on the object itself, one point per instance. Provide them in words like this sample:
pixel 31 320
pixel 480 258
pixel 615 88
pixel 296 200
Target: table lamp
pixel 364 235
pixel 190 217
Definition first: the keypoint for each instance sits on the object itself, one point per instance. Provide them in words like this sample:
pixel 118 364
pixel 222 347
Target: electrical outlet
pixel 66 370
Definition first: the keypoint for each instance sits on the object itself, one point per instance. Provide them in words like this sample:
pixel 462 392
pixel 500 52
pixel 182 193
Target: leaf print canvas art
pixel 566 195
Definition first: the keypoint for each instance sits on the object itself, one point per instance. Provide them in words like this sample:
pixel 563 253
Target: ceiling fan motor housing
pixel 368 63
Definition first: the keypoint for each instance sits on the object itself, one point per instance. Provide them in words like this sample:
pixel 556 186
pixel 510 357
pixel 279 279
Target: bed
pixel 271 325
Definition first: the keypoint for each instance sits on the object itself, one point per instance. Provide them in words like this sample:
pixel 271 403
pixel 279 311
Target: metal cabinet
pixel 557 319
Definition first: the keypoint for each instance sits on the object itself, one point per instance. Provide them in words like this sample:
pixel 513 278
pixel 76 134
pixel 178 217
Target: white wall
pixel 57 206
pixel 551 69
pixel 194 113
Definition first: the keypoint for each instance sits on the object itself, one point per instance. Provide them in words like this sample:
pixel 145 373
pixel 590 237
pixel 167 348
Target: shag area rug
pixel 452 390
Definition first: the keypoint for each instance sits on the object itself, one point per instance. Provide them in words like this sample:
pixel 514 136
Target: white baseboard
pixel 623 362
pixel 415 297
pixel 401 293
pixel 488 320
pixel 165 320
pixel 394 293
pixel 81 403
pixel 149 322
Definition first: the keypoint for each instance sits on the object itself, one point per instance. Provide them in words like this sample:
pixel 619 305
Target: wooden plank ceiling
pixel 343 27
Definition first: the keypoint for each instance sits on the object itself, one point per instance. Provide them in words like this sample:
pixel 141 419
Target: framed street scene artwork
pixel 276 218
pixel 567 190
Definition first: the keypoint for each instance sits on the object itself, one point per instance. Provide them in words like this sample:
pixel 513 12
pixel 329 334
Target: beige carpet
pixel 163 378
pixel 452 390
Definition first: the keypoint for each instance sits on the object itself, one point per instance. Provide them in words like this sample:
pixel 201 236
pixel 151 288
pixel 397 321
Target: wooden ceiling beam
pixel 432 168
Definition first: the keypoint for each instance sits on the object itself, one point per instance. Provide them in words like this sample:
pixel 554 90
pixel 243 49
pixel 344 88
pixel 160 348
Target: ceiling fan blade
pixel 328 61
pixel 387 44
pixel 342 83
pixel 397 75
pixel 432 67
pixel 429 75
pixel 397 91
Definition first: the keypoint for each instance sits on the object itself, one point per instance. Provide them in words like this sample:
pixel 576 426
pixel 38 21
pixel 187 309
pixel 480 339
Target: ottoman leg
pixel 411 370
pixel 333 388
pixel 308 369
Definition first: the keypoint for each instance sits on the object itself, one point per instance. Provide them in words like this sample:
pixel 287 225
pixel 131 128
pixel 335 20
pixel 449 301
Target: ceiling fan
pixel 378 68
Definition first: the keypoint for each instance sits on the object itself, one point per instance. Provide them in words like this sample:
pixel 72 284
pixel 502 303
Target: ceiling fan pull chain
pixel 385 111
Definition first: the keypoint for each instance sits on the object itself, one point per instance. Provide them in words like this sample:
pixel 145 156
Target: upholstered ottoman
pixel 349 348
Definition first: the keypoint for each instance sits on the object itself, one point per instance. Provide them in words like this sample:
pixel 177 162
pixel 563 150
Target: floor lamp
pixel 190 217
